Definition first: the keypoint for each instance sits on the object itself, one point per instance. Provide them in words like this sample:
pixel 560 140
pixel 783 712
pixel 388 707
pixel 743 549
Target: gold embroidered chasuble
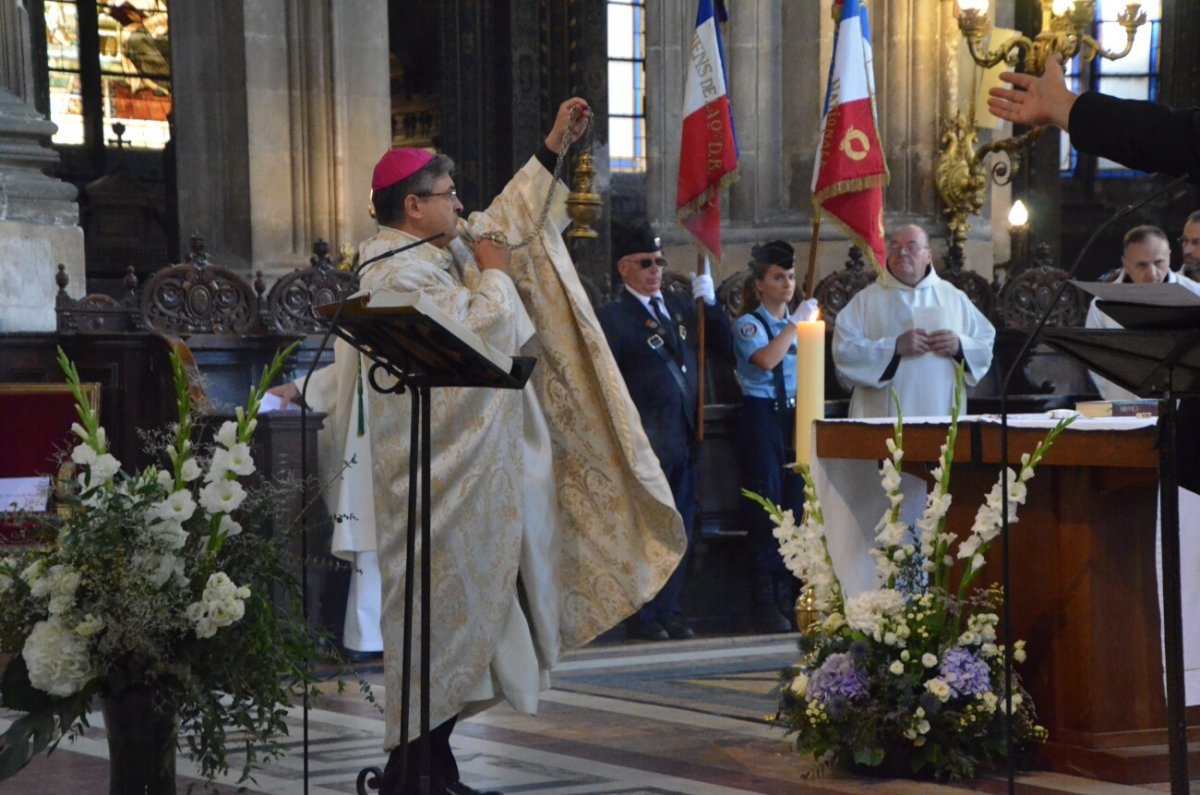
pixel 552 491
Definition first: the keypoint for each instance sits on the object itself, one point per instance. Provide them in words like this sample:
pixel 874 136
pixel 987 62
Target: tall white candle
pixel 810 383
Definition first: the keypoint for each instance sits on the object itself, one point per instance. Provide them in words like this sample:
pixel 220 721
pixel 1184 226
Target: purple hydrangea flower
pixel 839 675
pixel 966 674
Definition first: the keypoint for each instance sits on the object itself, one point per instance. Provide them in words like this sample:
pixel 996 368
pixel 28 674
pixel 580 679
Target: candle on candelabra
pixel 1018 235
pixel 810 383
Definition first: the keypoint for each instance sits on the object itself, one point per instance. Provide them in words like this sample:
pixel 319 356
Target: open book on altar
pixel 410 329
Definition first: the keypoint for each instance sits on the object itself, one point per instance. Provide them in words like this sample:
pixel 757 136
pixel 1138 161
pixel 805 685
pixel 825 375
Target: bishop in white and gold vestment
pixel 552 520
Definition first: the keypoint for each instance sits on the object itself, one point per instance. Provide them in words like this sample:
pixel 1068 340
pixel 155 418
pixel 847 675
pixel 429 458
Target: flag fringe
pixel 856 185
pixel 693 207
pixel 861 242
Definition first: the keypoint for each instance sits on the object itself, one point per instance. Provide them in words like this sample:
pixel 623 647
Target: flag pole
pixel 700 324
pixel 810 277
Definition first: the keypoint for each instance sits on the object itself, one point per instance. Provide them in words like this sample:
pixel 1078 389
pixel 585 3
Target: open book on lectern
pixel 409 331
pixel 1146 306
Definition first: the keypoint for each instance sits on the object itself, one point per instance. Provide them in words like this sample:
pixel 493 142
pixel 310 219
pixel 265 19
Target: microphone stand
pixel 304 495
pixel 1008 376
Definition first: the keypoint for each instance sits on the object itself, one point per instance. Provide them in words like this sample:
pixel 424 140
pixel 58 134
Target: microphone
pixel 1124 212
pixel 362 266
pixel 304 495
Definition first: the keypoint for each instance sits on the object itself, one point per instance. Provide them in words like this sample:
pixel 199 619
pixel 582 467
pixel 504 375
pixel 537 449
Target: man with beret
pixel 652 334
pixel 550 521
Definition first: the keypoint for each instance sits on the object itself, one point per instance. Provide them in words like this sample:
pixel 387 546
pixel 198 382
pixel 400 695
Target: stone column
pixel 38 216
pixel 277 135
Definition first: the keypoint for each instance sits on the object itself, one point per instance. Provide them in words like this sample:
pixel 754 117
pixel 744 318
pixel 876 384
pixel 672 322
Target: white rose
pixel 928 660
pixel 938 688
pixel 89 626
pixel 896 667
pixel 799 685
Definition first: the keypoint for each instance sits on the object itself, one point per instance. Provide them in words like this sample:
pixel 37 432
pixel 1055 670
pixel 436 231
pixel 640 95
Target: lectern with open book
pixel 414 346
pixel 1157 354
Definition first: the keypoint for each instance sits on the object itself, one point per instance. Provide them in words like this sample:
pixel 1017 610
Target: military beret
pixel 635 239
pixel 774 252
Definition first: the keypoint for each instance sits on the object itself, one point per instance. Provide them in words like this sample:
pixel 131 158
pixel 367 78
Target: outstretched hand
pixel 1034 99
pixel 566 127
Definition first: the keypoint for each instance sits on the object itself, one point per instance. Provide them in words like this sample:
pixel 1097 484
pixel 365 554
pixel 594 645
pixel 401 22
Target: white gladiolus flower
pixel 239 461
pixel 105 466
pixel 171 533
pixel 222 496
pixel 190 470
pixel 165 480
pixel 83 454
pixel 178 506
pixel 228 526
pixel 79 430
pixel 227 435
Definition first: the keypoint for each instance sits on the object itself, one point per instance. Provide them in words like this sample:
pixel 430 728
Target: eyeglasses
pixel 451 194
pixel 646 262
pixel 912 247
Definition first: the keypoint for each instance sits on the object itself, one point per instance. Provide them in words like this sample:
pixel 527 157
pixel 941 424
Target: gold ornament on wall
pixel 961 173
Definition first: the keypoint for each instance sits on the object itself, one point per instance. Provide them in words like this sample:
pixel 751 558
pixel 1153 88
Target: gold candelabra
pixel 961 174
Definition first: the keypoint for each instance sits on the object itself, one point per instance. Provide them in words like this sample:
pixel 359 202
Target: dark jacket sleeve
pixel 1142 135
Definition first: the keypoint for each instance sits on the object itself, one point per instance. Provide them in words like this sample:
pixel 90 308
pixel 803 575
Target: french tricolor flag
pixel 850 174
pixel 708 153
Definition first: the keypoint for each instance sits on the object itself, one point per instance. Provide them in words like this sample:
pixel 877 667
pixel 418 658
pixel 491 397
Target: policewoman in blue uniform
pixel 653 336
pixel 765 350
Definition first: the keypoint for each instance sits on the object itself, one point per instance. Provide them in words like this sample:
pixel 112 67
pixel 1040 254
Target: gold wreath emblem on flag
pixel 855 144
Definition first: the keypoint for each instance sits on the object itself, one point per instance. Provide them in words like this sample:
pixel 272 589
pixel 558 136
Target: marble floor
pixel 689 717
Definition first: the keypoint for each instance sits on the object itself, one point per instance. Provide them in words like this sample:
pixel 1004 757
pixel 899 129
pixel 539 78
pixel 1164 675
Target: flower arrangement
pixel 154 581
pixel 910 675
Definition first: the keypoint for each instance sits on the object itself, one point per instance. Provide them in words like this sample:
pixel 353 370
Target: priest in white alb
pixel 552 520
pixel 908 331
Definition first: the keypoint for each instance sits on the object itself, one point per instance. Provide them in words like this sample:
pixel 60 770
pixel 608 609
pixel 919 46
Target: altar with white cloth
pixel 1085 559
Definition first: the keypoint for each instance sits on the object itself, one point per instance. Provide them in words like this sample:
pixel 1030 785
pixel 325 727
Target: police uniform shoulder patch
pixel 748 330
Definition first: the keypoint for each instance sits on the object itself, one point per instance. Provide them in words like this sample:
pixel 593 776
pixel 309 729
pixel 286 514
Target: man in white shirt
pixel 1145 259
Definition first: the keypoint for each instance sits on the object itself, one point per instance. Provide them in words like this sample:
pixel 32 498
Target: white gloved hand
pixel 702 289
pixel 807 310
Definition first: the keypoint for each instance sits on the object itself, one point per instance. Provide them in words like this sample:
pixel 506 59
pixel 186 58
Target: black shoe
pixel 637 629
pixel 768 619
pixel 459 788
pixel 677 628
pixel 364 656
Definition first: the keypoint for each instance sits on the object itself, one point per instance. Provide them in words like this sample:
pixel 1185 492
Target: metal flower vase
pixel 142 727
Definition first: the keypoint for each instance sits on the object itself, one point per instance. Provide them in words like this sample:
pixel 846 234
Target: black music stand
pixel 1151 361
pixel 419 347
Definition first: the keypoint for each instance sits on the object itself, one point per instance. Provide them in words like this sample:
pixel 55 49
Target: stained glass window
pixel 111 61
pixel 627 85
pixel 1136 76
